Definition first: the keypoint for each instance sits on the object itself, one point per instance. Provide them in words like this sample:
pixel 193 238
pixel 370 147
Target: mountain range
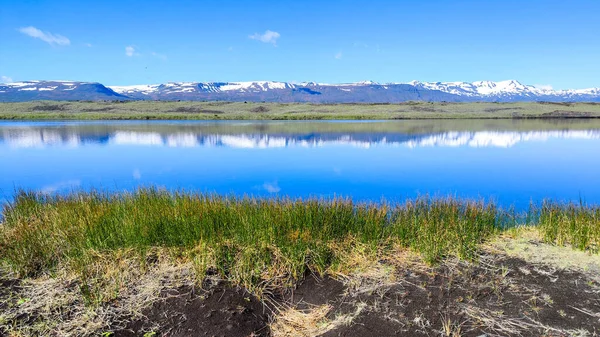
pixel 284 92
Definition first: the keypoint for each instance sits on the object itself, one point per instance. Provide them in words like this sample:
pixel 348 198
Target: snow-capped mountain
pixel 365 91
pixel 507 90
pixel 271 91
pixel 56 90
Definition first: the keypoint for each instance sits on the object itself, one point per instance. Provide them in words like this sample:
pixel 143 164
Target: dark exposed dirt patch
pixel 422 108
pixel 100 109
pixel 44 107
pixel 502 109
pixel 192 109
pixel 260 108
pixel 313 291
pixel 566 114
pixel 557 103
pixel 509 298
pixel 497 296
pixel 221 311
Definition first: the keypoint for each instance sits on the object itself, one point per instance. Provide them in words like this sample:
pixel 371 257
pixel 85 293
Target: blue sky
pixel 125 42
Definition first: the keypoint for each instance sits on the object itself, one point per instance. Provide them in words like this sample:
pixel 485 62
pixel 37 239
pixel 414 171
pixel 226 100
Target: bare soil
pixel 189 311
pixel 505 297
pixel 498 296
pixel 508 298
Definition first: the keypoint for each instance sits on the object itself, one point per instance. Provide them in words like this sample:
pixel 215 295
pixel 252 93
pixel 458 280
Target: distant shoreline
pixel 217 110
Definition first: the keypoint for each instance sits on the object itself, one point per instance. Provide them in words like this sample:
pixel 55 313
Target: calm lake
pixel 512 162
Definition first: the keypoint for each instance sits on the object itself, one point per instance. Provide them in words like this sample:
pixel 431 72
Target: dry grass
pixel 312 322
pixel 497 323
pixel 53 305
pixel 527 243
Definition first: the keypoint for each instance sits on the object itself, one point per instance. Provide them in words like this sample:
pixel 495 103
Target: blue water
pixel 513 163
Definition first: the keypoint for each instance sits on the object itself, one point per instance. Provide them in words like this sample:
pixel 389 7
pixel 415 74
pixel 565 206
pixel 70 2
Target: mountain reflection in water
pixel 511 161
pixel 31 136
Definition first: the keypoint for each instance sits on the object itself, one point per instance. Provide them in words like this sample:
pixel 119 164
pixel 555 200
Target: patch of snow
pixel 143 88
pixel 255 86
pixel 354 84
pixel 501 88
pixel 21 84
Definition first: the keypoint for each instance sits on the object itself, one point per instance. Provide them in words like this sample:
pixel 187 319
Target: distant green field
pixel 291 111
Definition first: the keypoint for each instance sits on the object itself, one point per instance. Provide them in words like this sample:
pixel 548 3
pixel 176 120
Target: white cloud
pixel 130 51
pixel 137 175
pixel 160 56
pixel 52 39
pixel 543 86
pixel 338 55
pixel 268 37
pixel 61 186
pixel 5 79
pixel 272 187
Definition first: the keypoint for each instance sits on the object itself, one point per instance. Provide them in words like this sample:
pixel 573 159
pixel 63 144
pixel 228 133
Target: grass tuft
pixel 259 244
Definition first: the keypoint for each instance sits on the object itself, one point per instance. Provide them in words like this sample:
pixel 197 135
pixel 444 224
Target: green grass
pixel 291 111
pixel 41 231
pixel 249 240
pixel 571 224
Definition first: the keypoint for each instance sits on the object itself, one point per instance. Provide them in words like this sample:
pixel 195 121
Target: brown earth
pixel 566 114
pixel 498 296
pixel 509 298
pixel 188 311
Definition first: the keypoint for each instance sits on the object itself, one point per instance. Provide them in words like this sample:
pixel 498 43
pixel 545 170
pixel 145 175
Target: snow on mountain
pixel 40 85
pixel 56 90
pixel 182 87
pixel 482 88
pixel 469 89
pixel 273 91
pixel 253 86
pixel 144 88
pixel 502 89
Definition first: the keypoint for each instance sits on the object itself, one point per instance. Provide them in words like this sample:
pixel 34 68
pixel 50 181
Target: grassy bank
pixel 258 242
pixel 290 111
pixel 91 263
pixel 245 240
